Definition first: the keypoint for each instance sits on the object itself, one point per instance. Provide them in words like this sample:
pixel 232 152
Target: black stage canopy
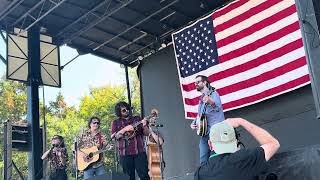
pixel 122 31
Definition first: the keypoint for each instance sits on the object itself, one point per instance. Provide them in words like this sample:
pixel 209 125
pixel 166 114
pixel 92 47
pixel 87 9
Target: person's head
pixel 94 123
pixel 122 109
pixel 57 141
pixel 201 82
pixel 222 138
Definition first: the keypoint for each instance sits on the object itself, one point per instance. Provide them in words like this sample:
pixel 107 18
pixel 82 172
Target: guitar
pixel 151 119
pixel 202 121
pixel 93 156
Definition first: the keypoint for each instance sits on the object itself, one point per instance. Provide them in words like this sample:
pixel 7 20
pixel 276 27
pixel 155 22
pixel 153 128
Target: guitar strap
pixel 100 140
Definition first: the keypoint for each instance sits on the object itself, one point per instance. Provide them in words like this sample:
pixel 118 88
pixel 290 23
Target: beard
pixel 125 115
pixel 199 88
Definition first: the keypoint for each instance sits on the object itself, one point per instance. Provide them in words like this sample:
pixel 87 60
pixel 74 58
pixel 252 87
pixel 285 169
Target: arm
pixel 119 134
pixel 45 155
pixel 264 138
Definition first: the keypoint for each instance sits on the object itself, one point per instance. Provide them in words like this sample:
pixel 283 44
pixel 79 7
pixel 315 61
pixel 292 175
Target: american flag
pixel 251 50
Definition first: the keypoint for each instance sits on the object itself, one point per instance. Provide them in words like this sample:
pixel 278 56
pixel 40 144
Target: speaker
pixel 111 176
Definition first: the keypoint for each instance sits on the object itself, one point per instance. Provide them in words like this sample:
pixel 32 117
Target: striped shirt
pixel 133 146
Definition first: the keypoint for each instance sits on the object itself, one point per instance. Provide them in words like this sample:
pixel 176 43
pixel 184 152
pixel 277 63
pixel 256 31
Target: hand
pixel 193 126
pixel 207 99
pixel 144 122
pixel 128 128
pixel 234 122
pixel 82 154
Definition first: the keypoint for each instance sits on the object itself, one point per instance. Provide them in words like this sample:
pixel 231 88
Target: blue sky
pixel 78 76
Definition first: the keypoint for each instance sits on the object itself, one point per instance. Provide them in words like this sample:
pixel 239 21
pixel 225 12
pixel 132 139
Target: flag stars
pixel 208 22
pixel 209 31
pixel 211 50
pixel 188 32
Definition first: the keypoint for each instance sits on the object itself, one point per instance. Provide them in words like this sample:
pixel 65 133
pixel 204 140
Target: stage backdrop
pixel 290 117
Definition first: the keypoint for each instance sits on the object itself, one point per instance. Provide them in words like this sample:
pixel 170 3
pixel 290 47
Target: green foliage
pixel 66 120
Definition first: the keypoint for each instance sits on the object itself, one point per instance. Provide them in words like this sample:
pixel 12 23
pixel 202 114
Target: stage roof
pixel 122 31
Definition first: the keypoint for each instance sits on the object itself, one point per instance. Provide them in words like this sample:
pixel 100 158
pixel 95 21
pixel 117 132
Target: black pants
pixel 59 174
pixel 138 162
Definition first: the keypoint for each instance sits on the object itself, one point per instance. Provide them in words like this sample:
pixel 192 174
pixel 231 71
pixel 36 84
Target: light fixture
pixel 140 58
pixel 163 45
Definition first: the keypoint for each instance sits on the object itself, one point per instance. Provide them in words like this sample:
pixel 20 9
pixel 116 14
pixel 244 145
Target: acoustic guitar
pixel 151 119
pixel 93 156
pixel 202 121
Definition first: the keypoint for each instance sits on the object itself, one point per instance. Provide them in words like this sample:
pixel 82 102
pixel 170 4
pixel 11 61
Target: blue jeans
pixel 204 149
pixel 93 172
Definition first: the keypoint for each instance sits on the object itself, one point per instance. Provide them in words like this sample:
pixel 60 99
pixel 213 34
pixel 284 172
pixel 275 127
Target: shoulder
pixel 250 159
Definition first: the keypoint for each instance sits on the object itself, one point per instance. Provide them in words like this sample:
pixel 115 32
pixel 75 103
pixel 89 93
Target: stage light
pixel 163 45
pixel 140 58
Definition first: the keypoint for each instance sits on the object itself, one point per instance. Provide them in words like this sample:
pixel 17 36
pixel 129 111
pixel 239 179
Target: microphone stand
pixel 116 155
pixel 160 153
pixel 75 156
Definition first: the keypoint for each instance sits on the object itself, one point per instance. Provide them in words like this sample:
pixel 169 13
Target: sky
pixel 78 76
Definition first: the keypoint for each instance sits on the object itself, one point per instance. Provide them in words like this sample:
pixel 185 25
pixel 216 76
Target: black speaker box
pixel 111 176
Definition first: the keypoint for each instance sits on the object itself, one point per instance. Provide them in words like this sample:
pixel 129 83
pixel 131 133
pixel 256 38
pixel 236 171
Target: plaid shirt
pixel 58 158
pixel 87 140
pixel 133 146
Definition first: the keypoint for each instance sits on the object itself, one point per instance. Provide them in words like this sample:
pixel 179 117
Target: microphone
pixel 157 125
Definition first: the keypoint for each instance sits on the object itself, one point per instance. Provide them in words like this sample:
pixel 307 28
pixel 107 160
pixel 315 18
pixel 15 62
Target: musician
pixel 93 137
pixel 58 158
pixel 210 102
pixel 228 161
pixel 132 152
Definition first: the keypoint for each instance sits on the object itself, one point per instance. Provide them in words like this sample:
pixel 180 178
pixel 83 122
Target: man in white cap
pixel 227 161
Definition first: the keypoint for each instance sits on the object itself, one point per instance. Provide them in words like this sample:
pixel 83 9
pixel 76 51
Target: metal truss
pixel 10 8
pixel 140 22
pixel 98 19
pixel 93 13
pixel 39 15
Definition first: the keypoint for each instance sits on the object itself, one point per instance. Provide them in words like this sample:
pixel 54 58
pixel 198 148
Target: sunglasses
pixel 96 122
pixel 124 110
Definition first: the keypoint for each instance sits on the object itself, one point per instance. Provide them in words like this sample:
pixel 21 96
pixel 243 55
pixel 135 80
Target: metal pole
pixel 7 150
pixel 44 134
pixel 35 162
pixel 128 85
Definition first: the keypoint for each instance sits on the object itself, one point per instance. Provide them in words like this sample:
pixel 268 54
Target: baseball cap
pixel 223 138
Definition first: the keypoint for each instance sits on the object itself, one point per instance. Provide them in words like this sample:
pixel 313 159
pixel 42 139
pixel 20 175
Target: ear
pixel 210 145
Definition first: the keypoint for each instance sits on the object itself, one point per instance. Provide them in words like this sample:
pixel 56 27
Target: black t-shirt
pixel 245 164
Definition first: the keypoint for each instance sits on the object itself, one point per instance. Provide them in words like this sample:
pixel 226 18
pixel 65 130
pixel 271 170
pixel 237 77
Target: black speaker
pixel 111 176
